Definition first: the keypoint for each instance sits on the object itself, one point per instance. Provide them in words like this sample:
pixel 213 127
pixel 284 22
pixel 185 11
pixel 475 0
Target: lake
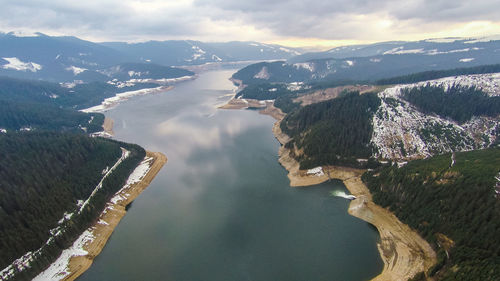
pixel 222 208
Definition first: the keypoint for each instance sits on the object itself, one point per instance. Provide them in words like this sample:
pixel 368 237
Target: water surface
pixel 222 208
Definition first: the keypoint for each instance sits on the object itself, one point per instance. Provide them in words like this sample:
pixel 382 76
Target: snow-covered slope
pixel 402 132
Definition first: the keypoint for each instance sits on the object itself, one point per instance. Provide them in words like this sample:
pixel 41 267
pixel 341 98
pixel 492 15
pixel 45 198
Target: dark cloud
pixel 243 20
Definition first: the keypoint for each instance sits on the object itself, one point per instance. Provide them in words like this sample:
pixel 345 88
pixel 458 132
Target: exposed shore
pixel 109 103
pixel 108 126
pixel 402 250
pixel 111 216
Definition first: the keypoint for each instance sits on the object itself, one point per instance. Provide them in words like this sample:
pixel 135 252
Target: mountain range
pixel 377 61
pixel 67 58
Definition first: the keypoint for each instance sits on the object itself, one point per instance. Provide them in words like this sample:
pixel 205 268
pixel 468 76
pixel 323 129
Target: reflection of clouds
pixel 187 136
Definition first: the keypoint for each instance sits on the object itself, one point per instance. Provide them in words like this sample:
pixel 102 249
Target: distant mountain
pixel 188 52
pixel 376 61
pixel 54 58
pixel 144 71
pixel 66 59
pixel 428 46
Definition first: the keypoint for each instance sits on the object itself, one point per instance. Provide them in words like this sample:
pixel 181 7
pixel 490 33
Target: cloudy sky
pixel 288 22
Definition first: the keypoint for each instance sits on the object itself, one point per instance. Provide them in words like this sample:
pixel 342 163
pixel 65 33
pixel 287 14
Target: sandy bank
pixel 243 103
pixel 108 126
pixel 402 250
pixel 111 216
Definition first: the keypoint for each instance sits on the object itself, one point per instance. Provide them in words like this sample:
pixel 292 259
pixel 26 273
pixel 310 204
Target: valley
pixel 382 143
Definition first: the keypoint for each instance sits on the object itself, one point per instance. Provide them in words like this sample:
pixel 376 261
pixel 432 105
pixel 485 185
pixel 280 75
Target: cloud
pixel 355 19
pixel 261 20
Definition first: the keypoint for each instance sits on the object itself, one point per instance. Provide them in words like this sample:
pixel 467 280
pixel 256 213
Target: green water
pixel 222 208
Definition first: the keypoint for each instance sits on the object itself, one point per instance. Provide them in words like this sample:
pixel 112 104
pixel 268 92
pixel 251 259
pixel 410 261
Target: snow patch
pixel 318 171
pixel 484 39
pixel 436 52
pixel 24 34
pixel 349 62
pixel 466 60
pixel 199 53
pixel 442 40
pixel 306 65
pixel 216 58
pixel 132 73
pixel 70 85
pixel 113 101
pixel 136 176
pixel 125 154
pixel 263 74
pixel 293 52
pixel 59 269
pixel 401 51
pixel 16 64
pixel 295 86
pixel 162 81
pixel 400 131
pixel 76 70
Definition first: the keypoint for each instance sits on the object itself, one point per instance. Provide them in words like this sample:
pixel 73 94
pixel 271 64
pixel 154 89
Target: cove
pixel 222 208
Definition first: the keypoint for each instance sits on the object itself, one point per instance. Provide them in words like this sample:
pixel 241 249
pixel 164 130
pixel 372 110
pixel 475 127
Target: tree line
pixel 333 132
pixel 456 201
pixel 42 177
pixel 459 103
pixel 436 74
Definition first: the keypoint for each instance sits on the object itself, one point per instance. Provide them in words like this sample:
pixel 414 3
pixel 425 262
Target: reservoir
pixel 221 209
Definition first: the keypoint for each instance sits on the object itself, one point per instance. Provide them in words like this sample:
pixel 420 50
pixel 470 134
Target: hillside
pixel 377 61
pixel 53 186
pixel 452 202
pixel 29 116
pixel 416 120
pixel 410 121
pixel 64 95
pixel 334 132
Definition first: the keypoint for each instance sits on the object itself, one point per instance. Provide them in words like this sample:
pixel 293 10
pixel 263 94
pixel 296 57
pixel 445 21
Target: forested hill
pixel 45 179
pixel 398 123
pixel 334 132
pixel 76 96
pixel 454 203
pixel 16 116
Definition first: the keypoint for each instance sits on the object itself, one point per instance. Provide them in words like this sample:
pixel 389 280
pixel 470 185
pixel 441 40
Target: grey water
pixel 222 208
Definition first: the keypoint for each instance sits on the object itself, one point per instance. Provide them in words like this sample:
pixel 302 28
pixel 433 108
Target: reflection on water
pixel 222 207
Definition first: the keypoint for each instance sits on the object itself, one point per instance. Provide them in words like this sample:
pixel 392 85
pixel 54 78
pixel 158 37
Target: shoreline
pixel 402 250
pixel 113 101
pixel 111 216
pixel 76 259
pixel 107 126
